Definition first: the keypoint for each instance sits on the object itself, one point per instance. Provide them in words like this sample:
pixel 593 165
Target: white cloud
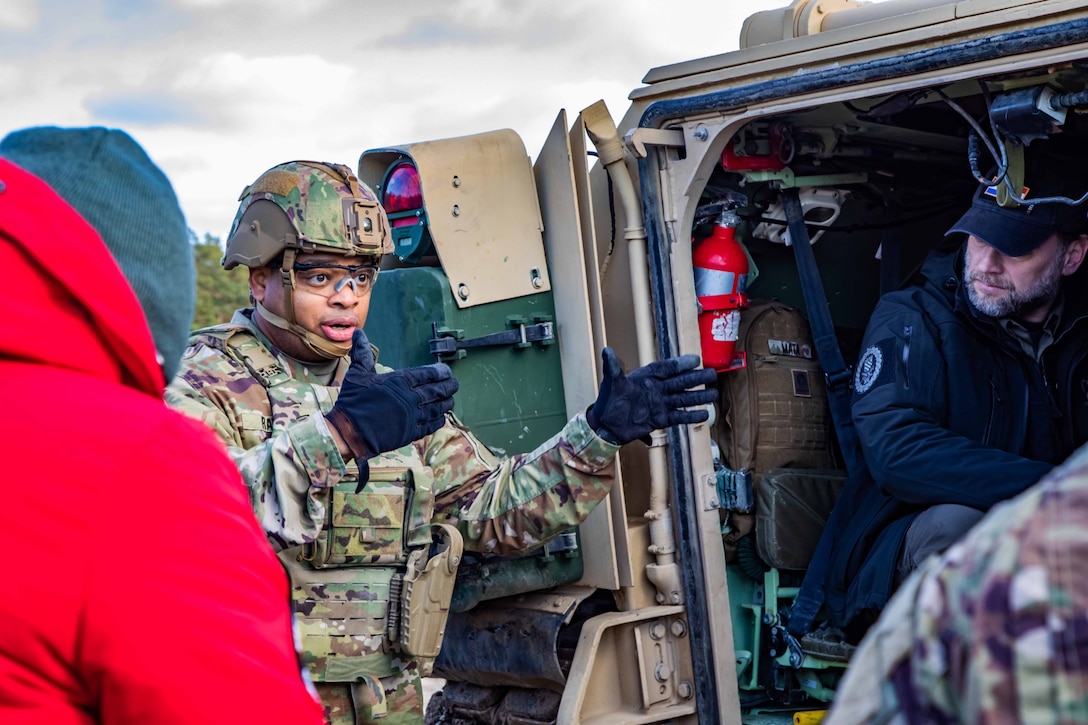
pixel 277 6
pixel 281 91
pixel 19 15
pixel 215 3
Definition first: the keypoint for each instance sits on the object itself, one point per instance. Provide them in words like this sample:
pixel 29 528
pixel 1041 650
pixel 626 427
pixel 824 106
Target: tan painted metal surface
pixel 556 181
pixel 481 203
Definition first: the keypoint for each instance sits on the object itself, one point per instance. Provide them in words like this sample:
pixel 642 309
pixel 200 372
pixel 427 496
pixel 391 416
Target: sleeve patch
pixel 876 367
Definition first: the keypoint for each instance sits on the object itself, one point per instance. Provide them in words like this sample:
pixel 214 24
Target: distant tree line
pixel 218 292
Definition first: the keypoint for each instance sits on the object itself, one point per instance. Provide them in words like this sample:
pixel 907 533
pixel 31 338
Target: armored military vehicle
pixel 744 202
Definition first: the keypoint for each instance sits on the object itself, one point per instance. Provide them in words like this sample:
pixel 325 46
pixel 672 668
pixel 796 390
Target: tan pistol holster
pixel 426 593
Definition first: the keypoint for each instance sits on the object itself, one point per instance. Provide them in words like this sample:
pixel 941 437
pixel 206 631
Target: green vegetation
pixel 218 292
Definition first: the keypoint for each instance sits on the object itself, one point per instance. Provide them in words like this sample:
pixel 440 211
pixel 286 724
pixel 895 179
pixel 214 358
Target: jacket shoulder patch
pixel 875 368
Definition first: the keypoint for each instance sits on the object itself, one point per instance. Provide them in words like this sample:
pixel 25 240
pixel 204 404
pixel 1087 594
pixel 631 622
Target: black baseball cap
pixel 1018 230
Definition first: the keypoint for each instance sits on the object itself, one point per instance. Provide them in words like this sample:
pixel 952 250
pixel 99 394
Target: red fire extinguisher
pixel 721 280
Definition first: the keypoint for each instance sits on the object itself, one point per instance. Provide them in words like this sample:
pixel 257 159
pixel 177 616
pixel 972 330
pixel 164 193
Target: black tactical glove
pixel 375 413
pixel 628 407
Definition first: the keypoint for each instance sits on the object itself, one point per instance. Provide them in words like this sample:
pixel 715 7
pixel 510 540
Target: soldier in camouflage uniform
pixel 995 630
pixel 355 469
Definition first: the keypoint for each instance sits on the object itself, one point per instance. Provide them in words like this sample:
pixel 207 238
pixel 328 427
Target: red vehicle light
pixel 402 189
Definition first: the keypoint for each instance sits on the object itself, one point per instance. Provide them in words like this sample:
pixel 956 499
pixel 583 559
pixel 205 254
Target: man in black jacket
pixel 970 387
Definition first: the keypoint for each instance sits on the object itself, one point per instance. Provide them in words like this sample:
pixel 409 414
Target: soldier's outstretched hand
pixel 630 406
pixel 379 412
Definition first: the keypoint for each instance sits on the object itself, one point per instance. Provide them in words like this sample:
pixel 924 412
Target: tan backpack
pixel 777 424
pixel 775 411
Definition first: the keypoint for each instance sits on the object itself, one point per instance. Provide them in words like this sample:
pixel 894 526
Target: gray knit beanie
pixel 109 179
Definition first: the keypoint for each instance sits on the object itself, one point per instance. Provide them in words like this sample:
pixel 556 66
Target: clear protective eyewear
pixel 327 279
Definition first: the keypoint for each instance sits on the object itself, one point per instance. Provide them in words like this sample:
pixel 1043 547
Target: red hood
pixel 65 302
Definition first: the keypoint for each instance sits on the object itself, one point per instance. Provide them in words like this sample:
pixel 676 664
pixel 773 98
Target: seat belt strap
pixel 811 595
pixel 823 332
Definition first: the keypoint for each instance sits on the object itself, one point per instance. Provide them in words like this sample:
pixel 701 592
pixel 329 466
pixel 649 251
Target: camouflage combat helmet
pixel 302 207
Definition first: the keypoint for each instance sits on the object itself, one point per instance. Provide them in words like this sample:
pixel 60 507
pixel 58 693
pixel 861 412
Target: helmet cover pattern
pixel 329 209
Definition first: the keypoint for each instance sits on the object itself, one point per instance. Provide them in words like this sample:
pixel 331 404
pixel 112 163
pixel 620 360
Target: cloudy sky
pixel 219 90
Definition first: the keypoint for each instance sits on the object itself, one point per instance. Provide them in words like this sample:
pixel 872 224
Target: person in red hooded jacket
pixel 138 586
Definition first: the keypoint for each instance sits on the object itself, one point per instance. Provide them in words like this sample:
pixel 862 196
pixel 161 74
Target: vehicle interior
pixel 880 179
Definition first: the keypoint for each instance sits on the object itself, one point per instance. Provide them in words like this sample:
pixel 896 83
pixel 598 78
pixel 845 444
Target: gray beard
pixel 1040 294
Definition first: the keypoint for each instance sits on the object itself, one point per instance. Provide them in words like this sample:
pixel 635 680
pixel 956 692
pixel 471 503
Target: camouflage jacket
pixel 289 460
pixel 993 631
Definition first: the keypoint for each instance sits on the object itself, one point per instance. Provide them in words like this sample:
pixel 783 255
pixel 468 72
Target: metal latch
pixel 639 138
pixel 447 344
pixel 734 489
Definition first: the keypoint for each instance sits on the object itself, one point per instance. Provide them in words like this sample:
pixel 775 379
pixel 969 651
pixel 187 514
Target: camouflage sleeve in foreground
pixel 519 502
pixel 994 631
pixel 284 474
